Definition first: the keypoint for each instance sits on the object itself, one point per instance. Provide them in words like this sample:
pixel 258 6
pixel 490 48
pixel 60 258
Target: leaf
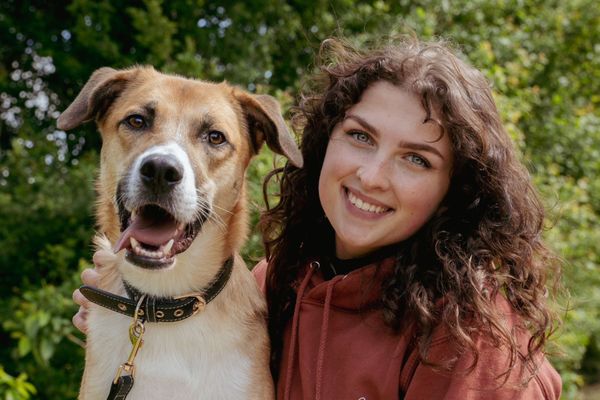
pixel 24 346
pixel 46 349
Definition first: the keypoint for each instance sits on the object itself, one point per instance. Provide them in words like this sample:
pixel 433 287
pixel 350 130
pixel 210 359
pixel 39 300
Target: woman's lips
pixel 366 206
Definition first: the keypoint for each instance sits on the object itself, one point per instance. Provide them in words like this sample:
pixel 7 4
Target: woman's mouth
pixel 365 205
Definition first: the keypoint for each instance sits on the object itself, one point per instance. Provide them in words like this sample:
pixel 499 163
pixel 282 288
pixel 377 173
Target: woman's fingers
pixel 90 277
pixel 80 299
pixel 80 319
pixel 103 257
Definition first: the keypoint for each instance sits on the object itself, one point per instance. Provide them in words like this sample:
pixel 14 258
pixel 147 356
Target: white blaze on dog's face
pixel 173 161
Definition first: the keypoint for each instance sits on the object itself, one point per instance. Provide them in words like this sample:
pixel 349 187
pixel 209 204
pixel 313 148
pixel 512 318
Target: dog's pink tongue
pixel 148 231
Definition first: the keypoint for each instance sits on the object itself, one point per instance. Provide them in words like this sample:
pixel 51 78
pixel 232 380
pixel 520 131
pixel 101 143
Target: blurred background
pixel 542 57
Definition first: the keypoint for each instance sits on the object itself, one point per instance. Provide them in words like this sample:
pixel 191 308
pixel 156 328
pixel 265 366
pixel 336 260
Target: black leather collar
pixel 160 309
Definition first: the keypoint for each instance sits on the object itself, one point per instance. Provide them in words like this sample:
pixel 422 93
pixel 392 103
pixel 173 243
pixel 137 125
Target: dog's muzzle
pixel 150 202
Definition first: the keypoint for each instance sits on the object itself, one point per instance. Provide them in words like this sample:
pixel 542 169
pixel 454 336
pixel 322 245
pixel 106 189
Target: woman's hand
pixel 89 277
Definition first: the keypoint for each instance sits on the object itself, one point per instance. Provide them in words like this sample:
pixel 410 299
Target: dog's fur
pixel 222 352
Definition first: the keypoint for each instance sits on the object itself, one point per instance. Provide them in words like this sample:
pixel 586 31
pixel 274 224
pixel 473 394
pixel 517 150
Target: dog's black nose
pixel 161 172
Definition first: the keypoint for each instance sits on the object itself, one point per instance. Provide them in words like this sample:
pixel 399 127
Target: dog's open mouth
pixel 153 237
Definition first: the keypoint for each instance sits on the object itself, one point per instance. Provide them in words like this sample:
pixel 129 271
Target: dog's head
pixel 173 159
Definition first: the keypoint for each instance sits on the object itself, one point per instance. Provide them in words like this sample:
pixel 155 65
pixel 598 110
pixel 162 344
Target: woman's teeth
pixel 363 205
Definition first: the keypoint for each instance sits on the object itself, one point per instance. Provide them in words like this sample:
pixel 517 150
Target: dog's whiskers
pixel 218 221
pixel 203 211
pixel 223 209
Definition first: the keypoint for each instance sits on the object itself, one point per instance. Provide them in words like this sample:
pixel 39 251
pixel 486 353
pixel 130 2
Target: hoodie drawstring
pixel 323 339
pixel 292 351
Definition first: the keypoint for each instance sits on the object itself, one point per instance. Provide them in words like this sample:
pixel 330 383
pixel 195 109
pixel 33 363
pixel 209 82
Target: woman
pixel 404 259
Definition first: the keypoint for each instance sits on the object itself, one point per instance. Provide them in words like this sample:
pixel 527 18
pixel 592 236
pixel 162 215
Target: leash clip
pixel 136 332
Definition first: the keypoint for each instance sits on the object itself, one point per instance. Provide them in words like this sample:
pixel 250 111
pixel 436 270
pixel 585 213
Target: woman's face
pixel 385 171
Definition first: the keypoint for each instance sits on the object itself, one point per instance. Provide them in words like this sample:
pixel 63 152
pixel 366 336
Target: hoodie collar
pixel 333 266
pixel 357 290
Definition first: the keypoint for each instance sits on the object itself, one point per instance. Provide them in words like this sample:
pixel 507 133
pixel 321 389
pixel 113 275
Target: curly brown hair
pixel 484 241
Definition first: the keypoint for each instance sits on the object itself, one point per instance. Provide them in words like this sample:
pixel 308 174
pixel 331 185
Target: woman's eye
pixel 215 138
pixel 136 121
pixel 418 160
pixel 361 136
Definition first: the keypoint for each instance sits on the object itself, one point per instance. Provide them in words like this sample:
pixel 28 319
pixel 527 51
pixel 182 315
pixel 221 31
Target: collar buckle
pixel 200 303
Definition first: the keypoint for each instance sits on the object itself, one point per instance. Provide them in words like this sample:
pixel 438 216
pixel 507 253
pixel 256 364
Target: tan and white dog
pixel 172 208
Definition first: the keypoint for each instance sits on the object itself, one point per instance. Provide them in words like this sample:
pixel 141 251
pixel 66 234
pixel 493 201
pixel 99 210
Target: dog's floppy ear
pixel 266 123
pixel 97 94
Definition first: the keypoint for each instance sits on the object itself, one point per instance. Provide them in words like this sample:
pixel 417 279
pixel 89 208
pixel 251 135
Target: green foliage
pixel 47 346
pixel 12 388
pixel 155 38
pixel 542 57
pixel 46 212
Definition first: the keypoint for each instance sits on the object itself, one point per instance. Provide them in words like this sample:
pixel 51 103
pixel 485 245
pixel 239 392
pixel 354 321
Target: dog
pixel 172 216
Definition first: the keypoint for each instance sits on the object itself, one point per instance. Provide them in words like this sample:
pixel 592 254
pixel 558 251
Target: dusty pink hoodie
pixel 337 346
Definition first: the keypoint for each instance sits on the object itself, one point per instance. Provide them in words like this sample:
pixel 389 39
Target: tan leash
pixel 125 376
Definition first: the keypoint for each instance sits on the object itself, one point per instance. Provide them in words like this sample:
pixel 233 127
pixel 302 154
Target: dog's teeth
pixel 151 254
pixel 154 254
pixel 167 247
pixel 141 251
pixel 135 244
pixel 133 214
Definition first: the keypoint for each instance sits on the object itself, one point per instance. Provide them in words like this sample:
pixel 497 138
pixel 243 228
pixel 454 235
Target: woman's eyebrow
pixel 364 123
pixel 421 147
pixel 409 145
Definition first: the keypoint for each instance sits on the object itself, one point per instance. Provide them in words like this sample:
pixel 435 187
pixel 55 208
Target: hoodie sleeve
pixel 486 380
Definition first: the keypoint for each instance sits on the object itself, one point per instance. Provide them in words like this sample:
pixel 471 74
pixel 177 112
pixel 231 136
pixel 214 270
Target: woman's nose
pixel 374 175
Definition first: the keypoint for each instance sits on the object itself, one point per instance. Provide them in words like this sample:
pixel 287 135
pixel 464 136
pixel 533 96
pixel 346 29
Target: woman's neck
pixel 339 266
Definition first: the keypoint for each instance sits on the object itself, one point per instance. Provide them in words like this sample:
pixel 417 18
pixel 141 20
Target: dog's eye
pixel 136 121
pixel 216 138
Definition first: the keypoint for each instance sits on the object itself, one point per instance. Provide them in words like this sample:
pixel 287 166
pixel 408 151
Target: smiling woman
pixel 416 270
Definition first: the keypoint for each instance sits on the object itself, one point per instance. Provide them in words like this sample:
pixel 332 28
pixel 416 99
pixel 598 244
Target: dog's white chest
pixel 180 362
